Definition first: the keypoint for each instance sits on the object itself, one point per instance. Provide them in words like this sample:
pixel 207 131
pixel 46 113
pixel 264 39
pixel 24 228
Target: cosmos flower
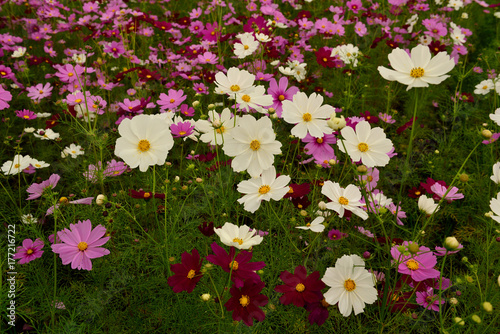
pixel 145 141
pixel 300 288
pixel 217 127
pixel 343 199
pixel 419 70
pixel 419 265
pixel 29 251
pixel 238 236
pixel 187 273
pixel 429 300
pixel 351 285
pixel 235 81
pixel 316 225
pixel 245 302
pixel 36 189
pixel 80 243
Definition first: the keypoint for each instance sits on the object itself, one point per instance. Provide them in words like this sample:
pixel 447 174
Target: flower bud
pixel 451 243
pixel 459 321
pixel 476 318
pixel 413 248
pixel 453 301
pixel 336 123
pixel 464 177
pixel 100 199
pixel 362 169
pixel 195 104
pixel 211 106
pixel 487 307
pixel 205 297
pixel 303 213
pixel 486 134
pixel 322 205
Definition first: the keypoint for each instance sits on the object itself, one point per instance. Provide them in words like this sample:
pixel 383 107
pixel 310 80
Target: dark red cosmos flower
pixel 416 192
pixel 245 302
pixel 301 202
pixel 144 194
pixel 318 311
pixel 405 126
pixel 206 228
pixel 299 288
pixel 392 43
pixel 436 47
pixel 324 57
pixel 187 273
pixel 241 269
pixel 298 190
pixel 369 117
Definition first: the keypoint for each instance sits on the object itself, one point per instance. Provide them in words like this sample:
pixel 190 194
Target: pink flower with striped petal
pixel 81 243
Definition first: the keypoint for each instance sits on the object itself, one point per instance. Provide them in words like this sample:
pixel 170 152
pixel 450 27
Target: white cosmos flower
pixel 316 225
pixel 496 173
pixel 253 145
pixel 343 199
pixel 495 117
pixel 427 205
pixel 19 52
pixel 46 134
pixel 308 114
pixel 255 98
pixel 247 46
pixel 419 70
pixel 72 150
pixel 235 81
pixel 495 207
pixel 16 165
pixel 264 188
pixel 239 237
pixel 39 163
pixel 217 128
pixel 366 144
pixel 351 285
pixel 145 141
pixel 484 87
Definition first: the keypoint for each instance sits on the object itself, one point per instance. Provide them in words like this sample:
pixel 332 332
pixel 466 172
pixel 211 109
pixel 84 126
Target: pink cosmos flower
pixel 320 148
pixel 360 29
pixel 208 58
pixel 81 243
pixel 370 179
pixel 5 96
pixel 182 129
pixel 39 91
pixel 25 114
pixel 172 100
pixel 114 48
pixel 64 200
pixel 419 266
pixel 36 189
pixel 429 300
pixel 280 92
pixel 452 194
pixel 29 251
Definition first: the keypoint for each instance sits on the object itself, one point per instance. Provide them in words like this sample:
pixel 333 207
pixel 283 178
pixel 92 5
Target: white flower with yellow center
pixel 316 225
pixel 235 81
pixel 366 144
pixel 309 115
pixel 264 188
pixel 419 70
pixel 217 128
pixel 16 165
pixel 145 141
pixel 247 46
pixel 351 285
pixel 427 205
pixel 253 145
pixel 238 236
pixel 343 199
pixel 495 207
pixel 255 98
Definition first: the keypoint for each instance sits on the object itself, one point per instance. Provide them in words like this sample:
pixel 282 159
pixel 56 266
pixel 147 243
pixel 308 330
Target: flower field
pixel 286 166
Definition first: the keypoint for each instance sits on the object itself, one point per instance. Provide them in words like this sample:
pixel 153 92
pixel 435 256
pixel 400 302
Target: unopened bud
pixel 362 169
pixel 464 177
pixel 476 318
pixel 459 321
pixel 486 134
pixel 451 243
pixel 100 199
pixel 413 248
pixel 487 307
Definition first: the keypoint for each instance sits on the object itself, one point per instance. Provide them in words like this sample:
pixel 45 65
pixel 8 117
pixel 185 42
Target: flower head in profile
pixel 80 243
pixel 351 285
pixel 308 114
pixel 495 207
pixel 245 302
pixel 263 188
pixel 29 251
pixel 343 199
pixel 417 70
pixel 300 288
pixel 366 144
pixel 238 236
pixel 316 225
pixel 427 205
pixel 36 189
pixel 496 173
pixel 145 141
pixel 187 273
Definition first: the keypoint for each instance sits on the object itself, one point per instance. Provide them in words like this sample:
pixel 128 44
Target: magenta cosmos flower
pixel 187 273
pixel 80 244
pixel 320 148
pixel 25 114
pixel 36 189
pixel 280 92
pixel 420 266
pixel 5 96
pixel 29 251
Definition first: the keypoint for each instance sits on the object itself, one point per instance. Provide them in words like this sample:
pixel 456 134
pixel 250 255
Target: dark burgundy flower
pixel 369 117
pixel 207 228
pixel 318 311
pixel 187 273
pixel 242 270
pixel 392 43
pixel 298 190
pixel 408 124
pixel 301 203
pixel 436 47
pixel 337 235
pixel 245 302
pixel 299 288
pixel 324 58
pixel 416 192
pixel 144 194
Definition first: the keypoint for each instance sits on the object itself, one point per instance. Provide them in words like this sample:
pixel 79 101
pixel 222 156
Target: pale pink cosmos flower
pixel 440 191
pixel 36 189
pixel 81 243
pixel 29 251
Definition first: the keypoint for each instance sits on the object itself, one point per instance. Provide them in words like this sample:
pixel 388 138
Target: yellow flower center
pixel 281 97
pixel 349 285
pixel 264 189
pixel 300 287
pixel 246 98
pixel 307 117
pixel 70 74
pixel 245 47
pixel 234 265
pixel 17 165
pixel 26 116
pixel 191 274
pixel 146 195
pixel 29 251
pixel 417 192
pixel 182 133
pixel 255 145
pixel 324 303
pixel 172 100
pixel 343 200
pixel 369 178
pixel 363 147
pixel 417 72
pixel 82 245
pixel 319 140
pixel 144 145
pixel 40 91
pixel 63 200
pixel 235 88
pixel 78 100
pixel 412 264
pixel 220 130
pixel 238 240
pixel 244 300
